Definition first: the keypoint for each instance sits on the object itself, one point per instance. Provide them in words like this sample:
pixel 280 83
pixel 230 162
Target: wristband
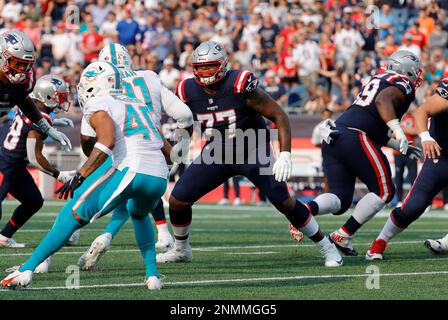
pixel 425 136
pixel 103 148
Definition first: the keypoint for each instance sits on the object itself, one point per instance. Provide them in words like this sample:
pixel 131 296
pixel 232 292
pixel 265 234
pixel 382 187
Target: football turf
pixel 239 253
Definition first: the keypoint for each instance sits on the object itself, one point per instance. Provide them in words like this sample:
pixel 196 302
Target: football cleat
pixel 154 283
pixel 98 247
pixel 332 257
pixel 18 279
pixel 165 241
pixel 439 246
pixel 223 202
pixel 376 250
pixel 74 238
pixel 9 243
pixel 343 243
pixel 44 266
pixel 236 202
pixel 176 254
pixel 296 234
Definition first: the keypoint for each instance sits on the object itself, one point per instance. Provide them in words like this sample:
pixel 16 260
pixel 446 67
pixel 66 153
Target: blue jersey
pixel 438 127
pixel 224 110
pixel 13 140
pixel 14 94
pixel 363 114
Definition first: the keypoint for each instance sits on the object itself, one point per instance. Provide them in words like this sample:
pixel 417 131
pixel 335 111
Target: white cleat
pixel 176 254
pixel 332 256
pixel 18 279
pixel 98 247
pixel 44 266
pixel 9 243
pixel 164 242
pixel 236 202
pixel 154 283
pixel 343 243
pixel 223 202
pixel 74 238
pixel 439 246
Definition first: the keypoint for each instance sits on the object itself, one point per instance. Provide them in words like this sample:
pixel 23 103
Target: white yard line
pixel 214 248
pixel 247 280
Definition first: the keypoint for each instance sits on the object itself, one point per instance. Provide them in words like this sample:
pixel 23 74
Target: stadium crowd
pixel 310 55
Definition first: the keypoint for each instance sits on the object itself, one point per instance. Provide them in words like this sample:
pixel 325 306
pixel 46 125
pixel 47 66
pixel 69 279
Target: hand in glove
pixel 63 122
pixel 282 167
pixel 66 176
pixel 70 186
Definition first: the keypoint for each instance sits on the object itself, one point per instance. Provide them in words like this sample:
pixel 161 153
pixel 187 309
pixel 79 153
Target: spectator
pixel 274 88
pixel 250 32
pixel 438 39
pixel 11 10
pixel 60 42
pixel 243 55
pixel 390 46
pixel 318 100
pixel 91 44
pixel 100 12
pixel 307 56
pixel 268 32
pixel 186 55
pixel 108 29
pixel 348 43
pixel 222 38
pixel 385 21
pixel 127 28
pixel 417 37
pixel 169 75
pixel 409 45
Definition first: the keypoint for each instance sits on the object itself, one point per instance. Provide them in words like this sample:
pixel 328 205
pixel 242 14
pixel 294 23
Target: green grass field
pixel 239 253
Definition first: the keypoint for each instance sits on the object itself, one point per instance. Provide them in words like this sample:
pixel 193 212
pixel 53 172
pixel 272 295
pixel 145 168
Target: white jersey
pixel 138 143
pixel 148 89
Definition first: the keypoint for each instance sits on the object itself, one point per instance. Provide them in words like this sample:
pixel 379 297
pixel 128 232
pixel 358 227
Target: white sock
pixel 162 228
pixel 310 228
pixel 367 207
pixel 181 232
pixel 323 243
pixel 328 203
pixel 389 231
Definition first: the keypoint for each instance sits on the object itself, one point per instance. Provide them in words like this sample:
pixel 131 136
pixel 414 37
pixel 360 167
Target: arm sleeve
pixel 176 109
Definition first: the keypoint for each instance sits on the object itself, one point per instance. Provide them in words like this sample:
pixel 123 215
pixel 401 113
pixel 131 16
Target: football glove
pixel 282 167
pixel 398 132
pixel 70 186
pixel 327 132
pixel 55 134
pixel 63 122
pixel 66 176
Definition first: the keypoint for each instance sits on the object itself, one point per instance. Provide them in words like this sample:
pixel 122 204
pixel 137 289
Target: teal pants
pixel 98 195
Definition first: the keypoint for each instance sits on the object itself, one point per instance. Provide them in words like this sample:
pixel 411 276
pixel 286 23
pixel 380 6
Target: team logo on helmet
pixel 9 38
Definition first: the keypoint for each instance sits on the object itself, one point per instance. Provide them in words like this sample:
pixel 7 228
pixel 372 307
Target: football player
pixel 22 144
pixel 137 179
pixel 229 105
pixel 144 85
pixel 17 80
pixel 432 178
pixel 353 147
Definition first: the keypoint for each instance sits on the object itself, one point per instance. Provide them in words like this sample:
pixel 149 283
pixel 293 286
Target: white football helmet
pixel 16 56
pixel 118 55
pixel 99 78
pixel 52 91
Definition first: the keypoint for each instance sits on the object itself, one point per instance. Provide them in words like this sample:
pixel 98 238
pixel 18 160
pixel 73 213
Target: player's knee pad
pixel 180 212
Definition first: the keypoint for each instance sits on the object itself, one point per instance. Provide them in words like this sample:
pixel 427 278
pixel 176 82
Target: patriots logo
pixel 56 82
pixel 9 38
pixel 252 84
pixel 406 84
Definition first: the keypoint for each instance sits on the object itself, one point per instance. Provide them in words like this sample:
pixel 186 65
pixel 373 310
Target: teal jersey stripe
pixel 113 53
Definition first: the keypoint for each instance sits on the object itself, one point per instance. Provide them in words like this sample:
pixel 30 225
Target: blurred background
pixel 311 56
